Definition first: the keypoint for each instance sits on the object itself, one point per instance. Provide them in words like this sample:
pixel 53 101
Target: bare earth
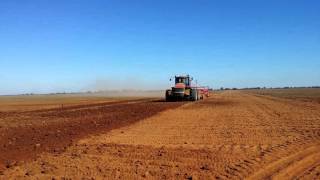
pixel 231 135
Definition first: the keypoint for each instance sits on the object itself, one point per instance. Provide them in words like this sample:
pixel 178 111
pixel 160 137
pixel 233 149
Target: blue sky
pixel 74 45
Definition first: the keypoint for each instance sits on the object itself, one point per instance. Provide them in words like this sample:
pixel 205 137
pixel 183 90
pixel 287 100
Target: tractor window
pixel 187 82
pixel 183 80
pixel 179 80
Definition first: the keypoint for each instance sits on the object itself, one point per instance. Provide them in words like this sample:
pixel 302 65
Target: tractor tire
pixel 194 95
pixel 168 95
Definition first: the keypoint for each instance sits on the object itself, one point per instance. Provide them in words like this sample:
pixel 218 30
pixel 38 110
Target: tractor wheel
pixel 194 95
pixel 168 95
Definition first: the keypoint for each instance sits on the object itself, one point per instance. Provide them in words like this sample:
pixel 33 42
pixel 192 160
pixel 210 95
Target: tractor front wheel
pixel 168 95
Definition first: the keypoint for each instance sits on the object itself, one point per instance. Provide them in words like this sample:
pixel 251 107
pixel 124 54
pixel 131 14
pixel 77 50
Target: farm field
pixel 41 102
pixel 231 135
pixel 303 94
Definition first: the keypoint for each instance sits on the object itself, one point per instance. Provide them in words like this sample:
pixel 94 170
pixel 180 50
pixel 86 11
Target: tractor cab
pixel 186 80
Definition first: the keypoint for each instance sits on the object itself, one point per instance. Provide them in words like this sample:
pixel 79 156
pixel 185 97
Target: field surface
pixel 302 94
pixel 231 135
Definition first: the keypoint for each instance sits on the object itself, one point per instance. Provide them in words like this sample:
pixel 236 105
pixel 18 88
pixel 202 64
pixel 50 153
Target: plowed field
pixel 231 135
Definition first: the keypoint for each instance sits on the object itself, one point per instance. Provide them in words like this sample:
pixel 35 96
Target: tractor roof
pixel 182 76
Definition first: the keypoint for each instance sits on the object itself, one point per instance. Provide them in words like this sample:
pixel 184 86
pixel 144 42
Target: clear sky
pixel 79 45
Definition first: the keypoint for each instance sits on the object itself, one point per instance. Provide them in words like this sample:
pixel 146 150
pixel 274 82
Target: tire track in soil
pixel 270 162
pixel 291 166
pixel 267 162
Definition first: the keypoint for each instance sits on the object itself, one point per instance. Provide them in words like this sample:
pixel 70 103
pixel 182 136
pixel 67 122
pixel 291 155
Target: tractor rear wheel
pixel 194 95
